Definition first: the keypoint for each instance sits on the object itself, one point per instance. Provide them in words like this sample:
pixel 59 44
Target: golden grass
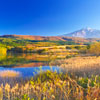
pixel 82 62
pixel 80 65
pixel 9 73
pixel 53 88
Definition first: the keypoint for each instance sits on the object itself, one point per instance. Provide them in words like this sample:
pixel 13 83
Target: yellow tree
pixel 3 52
pixel 95 48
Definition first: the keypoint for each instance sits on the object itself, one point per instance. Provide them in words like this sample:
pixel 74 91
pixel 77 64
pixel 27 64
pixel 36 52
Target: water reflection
pixel 30 71
pixel 25 60
pixel 25 64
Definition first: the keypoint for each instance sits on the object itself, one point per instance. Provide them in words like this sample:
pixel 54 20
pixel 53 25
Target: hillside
pixel 52 38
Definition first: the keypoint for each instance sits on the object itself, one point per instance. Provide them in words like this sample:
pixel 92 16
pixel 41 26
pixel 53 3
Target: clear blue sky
pixel 48 17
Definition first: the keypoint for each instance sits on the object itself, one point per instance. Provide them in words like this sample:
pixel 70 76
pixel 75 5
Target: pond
pixel 29 71
pixel 24 65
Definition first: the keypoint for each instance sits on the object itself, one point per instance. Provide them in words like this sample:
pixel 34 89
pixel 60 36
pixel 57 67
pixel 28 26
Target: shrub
pixel 94 48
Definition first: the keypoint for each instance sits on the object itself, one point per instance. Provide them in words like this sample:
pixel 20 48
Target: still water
pixel 27 65
pixel 30 71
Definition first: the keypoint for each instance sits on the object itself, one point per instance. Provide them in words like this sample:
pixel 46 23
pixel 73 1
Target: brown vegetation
pixel 80 65
pixel 9 73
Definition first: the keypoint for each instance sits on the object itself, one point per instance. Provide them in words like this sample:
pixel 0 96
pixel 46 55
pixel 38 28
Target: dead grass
pixel 80 65
pixel 9 73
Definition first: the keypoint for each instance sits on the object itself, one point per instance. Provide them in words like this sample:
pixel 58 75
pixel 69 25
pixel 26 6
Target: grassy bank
pixel 80 66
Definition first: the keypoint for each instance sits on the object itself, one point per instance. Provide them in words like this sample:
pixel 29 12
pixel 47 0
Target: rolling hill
pixel 52 38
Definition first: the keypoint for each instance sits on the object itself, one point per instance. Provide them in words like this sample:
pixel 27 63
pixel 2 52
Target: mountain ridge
pixel 85 33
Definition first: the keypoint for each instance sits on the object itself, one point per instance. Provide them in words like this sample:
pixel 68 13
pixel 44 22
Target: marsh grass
pixel 80 66
pixel 53 86
pixel 9 73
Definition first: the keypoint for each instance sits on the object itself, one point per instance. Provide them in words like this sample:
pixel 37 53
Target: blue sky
pixel 48 17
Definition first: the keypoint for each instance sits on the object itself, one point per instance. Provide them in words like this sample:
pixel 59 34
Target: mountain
pixel 85 33
pixel 81 36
